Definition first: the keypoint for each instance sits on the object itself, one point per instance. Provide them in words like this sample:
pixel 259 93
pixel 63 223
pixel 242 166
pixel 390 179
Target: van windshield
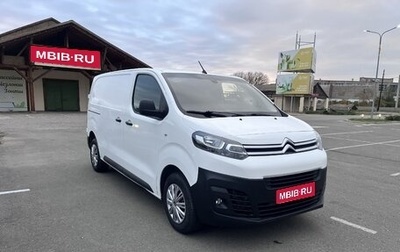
pixel 204 95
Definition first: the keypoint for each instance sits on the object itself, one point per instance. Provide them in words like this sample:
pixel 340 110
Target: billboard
pixel 12 91
pixel 301 60
pixel 294 84
pixel 65 57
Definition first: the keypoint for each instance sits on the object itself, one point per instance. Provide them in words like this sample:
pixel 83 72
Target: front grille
pixel 270 210
pixel 286 147
pixel 241 206
pixel 290 180
pixel 256 199
pixel 240 203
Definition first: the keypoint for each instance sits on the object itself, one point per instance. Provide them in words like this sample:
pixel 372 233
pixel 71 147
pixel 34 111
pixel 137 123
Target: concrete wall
pixel 84 86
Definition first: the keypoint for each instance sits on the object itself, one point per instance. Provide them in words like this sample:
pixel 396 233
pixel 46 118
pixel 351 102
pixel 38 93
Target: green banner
pixel 302 60
pixel 294 84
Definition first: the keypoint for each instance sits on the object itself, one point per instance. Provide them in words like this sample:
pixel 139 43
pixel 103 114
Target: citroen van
pixel 214 149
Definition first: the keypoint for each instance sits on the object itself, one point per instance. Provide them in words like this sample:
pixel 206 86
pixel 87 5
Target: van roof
pixel 161 71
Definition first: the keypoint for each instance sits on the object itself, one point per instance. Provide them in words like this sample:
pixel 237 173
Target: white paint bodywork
pixel 149 145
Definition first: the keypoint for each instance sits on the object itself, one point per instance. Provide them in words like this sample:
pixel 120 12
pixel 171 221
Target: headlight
pixel 319 141
pixel 218 145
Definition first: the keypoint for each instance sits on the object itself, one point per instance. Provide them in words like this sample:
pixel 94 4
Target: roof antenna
pixel 204 71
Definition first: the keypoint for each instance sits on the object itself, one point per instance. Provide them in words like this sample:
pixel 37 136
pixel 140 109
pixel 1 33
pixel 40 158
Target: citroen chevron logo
pixel 288 145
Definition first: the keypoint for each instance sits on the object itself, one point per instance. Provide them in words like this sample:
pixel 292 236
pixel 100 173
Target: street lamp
pixel 377 64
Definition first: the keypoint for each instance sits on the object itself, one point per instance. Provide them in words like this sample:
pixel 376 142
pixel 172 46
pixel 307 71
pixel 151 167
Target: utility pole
pixel 397 94
pixel 298 45
pixel 380 91
pixel 377 64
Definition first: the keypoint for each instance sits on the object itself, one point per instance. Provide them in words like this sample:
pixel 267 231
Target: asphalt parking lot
pixel 51 200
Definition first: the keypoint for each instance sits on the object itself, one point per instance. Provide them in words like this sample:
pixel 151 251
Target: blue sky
pixel 232 35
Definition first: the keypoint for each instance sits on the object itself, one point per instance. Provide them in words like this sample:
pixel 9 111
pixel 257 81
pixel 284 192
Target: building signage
pixel 302 60
pixel 294 84
pixel 12 91
pixel 65 57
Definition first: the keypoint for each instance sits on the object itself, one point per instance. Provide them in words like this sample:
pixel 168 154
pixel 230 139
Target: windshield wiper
pixel 207 113
pixel 259 114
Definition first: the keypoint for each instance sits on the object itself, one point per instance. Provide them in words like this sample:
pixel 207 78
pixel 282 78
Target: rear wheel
pixel 97 164
pixel 178 204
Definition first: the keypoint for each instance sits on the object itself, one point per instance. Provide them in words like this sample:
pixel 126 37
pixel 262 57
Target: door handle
pixel 118 119
pixel 129 123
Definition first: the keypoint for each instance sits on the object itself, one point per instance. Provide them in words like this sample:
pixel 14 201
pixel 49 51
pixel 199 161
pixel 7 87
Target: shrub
pixel 393 118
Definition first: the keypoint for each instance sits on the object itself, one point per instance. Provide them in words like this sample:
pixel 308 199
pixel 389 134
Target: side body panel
pixel 109 96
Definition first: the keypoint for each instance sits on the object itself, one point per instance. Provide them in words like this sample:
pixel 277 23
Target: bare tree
pixel 365 95
pixel 255 78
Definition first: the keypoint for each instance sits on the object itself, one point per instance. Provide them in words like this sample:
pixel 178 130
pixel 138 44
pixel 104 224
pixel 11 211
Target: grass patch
pixel 393 118
pixel 332 112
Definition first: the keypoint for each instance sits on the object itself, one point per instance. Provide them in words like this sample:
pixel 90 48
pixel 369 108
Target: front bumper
pixel 221 200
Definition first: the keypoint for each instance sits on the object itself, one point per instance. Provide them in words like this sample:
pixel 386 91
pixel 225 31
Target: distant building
pixel 296 103
pixel 326 91
pixel 49 65
pixel 361 90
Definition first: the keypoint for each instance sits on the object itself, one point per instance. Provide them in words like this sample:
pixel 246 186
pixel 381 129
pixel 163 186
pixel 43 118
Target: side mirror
pixel 147 108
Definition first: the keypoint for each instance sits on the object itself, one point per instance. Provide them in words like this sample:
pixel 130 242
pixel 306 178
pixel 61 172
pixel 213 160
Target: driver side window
pixel 148 99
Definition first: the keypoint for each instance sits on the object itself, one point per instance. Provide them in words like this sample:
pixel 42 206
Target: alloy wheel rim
pixel 176 204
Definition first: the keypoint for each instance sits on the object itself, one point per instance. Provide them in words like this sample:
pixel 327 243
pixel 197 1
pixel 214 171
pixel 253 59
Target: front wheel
pixel 178 204
pixel 97 164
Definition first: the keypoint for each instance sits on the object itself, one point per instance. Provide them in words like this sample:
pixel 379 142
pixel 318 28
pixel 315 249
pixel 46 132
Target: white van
pixel 213 148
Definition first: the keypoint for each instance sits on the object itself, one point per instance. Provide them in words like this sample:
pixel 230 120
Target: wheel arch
pixel 167 171
pixel 175 158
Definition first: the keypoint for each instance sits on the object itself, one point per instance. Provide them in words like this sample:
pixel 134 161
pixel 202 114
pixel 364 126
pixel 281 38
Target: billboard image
pixel 12 91
pixel 301 60
pixel 294 84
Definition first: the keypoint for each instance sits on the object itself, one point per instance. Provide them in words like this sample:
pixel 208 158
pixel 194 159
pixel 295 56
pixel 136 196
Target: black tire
pixel 178 204
pixel 97 164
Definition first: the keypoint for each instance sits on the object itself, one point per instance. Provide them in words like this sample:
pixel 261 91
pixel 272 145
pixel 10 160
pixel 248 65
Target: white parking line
pixel 362 145
pixel 320 127
pixel 354 225
pixel 395 174
pixel 377 125
pixel 347 133
pixel 347 139
pixel 15 191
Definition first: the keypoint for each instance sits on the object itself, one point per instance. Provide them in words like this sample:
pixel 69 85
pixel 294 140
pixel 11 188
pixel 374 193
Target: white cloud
pixel 231 36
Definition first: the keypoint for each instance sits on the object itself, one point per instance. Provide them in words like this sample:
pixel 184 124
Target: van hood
pixel 256 129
